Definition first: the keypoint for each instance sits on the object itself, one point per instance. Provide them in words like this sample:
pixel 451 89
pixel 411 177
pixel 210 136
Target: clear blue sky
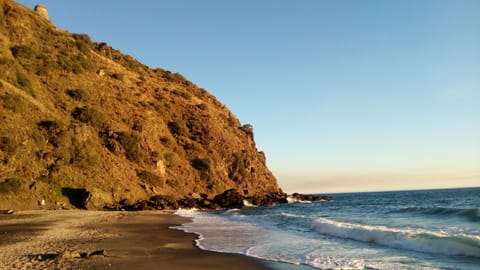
pixel 343 95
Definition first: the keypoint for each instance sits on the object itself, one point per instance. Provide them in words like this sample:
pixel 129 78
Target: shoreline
pixel 116 240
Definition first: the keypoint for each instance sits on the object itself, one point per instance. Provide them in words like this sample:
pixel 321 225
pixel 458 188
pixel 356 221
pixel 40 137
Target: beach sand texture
pixel 123 240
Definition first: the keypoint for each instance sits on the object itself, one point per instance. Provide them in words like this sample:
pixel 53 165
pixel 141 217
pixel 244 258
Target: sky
pixel 343 95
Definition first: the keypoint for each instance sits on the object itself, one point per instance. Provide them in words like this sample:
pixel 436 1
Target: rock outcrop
pixel 86 126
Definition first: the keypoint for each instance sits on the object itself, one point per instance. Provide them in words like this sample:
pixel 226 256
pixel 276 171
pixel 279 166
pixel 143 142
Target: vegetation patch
pixel 11 185
pixel 14 103
pixel 182 94
pixel 23 81
pixel 178 128
pixel 89 115
pixel 131 144
pixel 149 178
pixel 171 159
pixel 52 129
pixel 76 63
pixel 8 145
pixel 86 154
pixel 77 94
pixel 23 51
pixel 82 42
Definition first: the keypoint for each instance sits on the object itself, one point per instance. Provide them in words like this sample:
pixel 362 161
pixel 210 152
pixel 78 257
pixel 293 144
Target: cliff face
pixel 81 115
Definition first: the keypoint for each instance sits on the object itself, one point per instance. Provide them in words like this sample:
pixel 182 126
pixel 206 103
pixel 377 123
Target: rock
pixel 81 254
pixel 229 199
pixel 269 199
pixel 162 202
pixel 297 197
pixel 7 212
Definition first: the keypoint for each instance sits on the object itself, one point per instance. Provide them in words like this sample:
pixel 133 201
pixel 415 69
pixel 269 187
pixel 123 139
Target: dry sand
pixel 140 240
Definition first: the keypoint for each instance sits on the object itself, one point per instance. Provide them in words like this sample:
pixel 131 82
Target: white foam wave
pixel 184 212
pixel 415 240
pixel 291 199
pixel 248 203
pixel 285 214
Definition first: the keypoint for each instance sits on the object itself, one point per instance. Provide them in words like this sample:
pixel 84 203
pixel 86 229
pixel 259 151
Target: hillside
pixel 79 116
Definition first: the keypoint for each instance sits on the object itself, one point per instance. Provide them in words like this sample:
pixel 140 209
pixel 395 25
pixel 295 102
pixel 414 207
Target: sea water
pixel 429 229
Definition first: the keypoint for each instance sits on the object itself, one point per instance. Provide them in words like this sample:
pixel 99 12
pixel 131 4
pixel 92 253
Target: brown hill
pixel 77 115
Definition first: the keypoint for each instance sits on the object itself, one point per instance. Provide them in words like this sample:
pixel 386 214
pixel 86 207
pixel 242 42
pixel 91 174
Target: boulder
pixel 269 199
pixel 297 197
pixel 229 199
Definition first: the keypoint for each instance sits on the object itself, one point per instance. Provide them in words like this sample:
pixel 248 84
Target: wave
pixel 285 214
pixel 469 213
pixel 291 199
pixel 414 240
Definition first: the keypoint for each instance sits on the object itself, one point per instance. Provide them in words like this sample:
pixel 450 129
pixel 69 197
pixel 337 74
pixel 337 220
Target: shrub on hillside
pixel 177 128
pixel 77 94
pixel 89 115
pixel 76 63
pixel 52 129
pixel 82 42
pixel 149 178
pixel 183 94
pixel 131 144
pixel 23 51
pixel 8 145
pixel 23 81
pixel 86 154
pixel 11 185
pixel 14 103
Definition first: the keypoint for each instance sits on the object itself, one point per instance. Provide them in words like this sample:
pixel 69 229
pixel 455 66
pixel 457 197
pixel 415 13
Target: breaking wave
pixel 414 240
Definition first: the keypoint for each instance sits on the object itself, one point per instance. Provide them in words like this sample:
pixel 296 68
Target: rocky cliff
pixel 80 119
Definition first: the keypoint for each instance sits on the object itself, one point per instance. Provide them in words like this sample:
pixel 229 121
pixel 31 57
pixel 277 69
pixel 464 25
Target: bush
pixel 82 41
pixel 149 178
pixel 77 94
pixel 8 145
pixel 23 81
pixel 89 115
pixel 177 128
pixel 4 60
pixel 185 95
pixel 86 154
pixel 170 159
pixel 82 37
pixel 53 130
pixel 131 144
pixel 72 63
pixel 118 76
pixel 14 103
pixel 47 64
pixel 11 185
pixel 50 126
pixel 23 51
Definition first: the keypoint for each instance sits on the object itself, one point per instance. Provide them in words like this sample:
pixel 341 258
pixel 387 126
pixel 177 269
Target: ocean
pixel 427 229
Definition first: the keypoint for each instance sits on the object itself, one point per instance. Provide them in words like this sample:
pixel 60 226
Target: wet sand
pixel 140 240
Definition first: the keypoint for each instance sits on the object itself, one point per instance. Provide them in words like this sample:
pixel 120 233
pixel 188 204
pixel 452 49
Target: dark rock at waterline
pixel 310 197
pixel 229 199
pixel 269 199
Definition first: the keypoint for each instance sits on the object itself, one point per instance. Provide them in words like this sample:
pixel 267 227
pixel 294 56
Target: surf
pixel 413 240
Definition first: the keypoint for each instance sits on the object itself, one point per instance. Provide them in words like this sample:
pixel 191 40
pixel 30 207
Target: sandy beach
pixel 74 239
